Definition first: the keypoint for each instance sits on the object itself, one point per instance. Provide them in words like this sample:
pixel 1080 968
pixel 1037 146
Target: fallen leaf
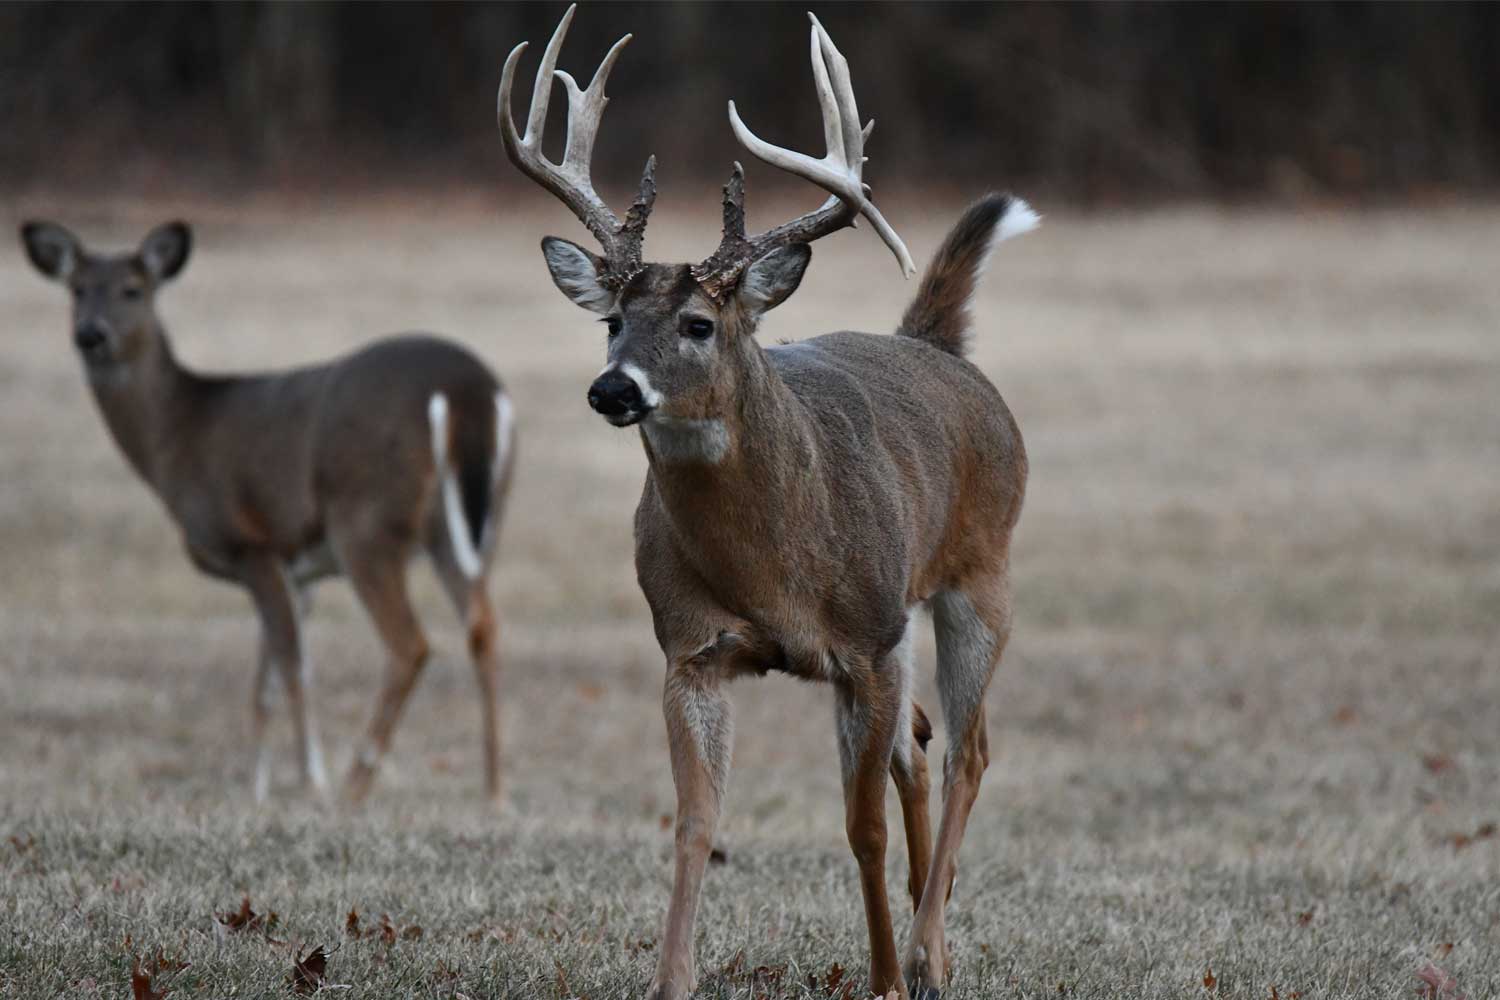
pixel 1305 917
pixel 351 924
pixel 411 933
pixel 141 986
pixel 246 919
pixel 1437 984
pixel 1345 716
pixel 308 971
pixel 1437 763
pixel 833 978
pixel 1444 948
pixel 1209 980
pixel 386 930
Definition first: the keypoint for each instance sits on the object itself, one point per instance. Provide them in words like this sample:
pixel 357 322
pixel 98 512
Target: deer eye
pixel 131 292
pixel 613 325
pixel 698 329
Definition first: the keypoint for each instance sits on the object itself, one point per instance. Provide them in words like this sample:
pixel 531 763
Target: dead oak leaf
pixel 308 972
pixel 246 919
pixel 1210 981
pixel 1436 984
pixel 141 985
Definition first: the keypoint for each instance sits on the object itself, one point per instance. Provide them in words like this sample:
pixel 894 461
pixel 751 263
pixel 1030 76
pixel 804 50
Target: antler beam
pixel 839 172
pixel 570 181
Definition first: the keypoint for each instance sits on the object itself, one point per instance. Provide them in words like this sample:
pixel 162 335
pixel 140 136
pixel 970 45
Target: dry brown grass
pixel 1251 699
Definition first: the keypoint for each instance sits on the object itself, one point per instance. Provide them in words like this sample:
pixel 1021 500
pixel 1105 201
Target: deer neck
pixel 749 469
pixel 142 402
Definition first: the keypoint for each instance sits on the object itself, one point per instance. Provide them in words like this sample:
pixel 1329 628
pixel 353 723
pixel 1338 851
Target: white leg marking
pixel 312 760
pixel 965 654
pixel 904 657
pixel 711 725
pixel 316 773
pixel 464 552
pixel 265 696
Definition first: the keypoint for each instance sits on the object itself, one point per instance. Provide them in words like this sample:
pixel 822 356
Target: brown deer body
pixel 803 502
pixel 277 480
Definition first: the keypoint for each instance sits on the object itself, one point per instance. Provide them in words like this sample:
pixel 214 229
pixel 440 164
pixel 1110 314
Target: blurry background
pixel 1101 102
pixel 1246 730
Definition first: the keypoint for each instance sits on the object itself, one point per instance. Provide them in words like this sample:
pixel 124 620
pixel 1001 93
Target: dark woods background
pixel 1103 102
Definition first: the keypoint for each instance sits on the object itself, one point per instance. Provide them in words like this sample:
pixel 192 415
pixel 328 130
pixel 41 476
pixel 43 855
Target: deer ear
pixel 53 250
pixel 772 279
pixel 576 273
pixel 165 250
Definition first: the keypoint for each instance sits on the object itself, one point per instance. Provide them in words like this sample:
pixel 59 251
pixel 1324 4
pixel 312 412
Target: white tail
pixel 460 535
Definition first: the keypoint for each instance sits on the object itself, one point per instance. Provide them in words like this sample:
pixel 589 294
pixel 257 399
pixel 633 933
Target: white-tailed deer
pixel 803 501
pixel 277 480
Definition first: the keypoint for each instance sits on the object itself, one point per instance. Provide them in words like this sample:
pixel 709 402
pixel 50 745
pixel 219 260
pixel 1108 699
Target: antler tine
pixel 839 172
pixel 570 180
pixel 837 68
pixel 586 111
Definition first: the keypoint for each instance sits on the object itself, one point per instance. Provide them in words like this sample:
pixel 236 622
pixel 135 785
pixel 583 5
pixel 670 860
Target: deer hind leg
pixel 909 771
pixel 871 718
pixel 378 572
pixel 700 737
pixel 470 598
pixel 972 627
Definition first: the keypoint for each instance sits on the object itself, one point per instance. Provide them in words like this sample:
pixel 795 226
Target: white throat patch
pixel 680 440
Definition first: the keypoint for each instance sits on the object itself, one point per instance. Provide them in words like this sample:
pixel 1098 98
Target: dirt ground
pixel 1247 734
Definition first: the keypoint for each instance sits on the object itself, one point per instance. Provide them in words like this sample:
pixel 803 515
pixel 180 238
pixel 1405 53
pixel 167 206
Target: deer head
pixel 676 331
pixel 114 296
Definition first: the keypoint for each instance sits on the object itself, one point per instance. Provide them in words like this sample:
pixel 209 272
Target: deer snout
pixel 615 394
pixel 89 336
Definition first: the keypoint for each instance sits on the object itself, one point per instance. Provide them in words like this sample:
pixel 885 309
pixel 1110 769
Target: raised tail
pixel 940 312
pixel 470 456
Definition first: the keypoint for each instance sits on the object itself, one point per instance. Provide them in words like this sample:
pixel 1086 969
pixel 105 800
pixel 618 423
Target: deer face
pixel 671 347
pixel 114 297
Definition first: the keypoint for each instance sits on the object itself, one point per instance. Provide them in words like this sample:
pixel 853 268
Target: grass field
pixel 1247 733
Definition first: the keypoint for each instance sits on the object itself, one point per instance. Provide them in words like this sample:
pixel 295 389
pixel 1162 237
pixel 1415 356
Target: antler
pixel 569 181
pixel 839 172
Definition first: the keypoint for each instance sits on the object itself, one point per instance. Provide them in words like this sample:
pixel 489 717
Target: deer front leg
pixel 700 734
pixel 868 710
pixel 262 701
pixel 275 602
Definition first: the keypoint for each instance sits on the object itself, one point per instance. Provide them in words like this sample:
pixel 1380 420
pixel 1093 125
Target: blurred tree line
pixel 1105 102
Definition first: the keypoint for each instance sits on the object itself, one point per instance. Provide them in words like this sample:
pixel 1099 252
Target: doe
pixel 278 480
pixel 802 501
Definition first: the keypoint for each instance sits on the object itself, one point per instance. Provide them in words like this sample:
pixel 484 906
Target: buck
pixel 802 501
pixel 278 480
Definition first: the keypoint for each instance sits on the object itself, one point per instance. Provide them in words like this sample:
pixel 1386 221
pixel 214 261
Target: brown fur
pixel 276 480
pixel 836 484
pixel 940 312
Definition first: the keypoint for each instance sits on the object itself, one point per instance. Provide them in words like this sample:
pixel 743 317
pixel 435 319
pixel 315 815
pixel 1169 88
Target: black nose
pixel 88 336
pixel 614 394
